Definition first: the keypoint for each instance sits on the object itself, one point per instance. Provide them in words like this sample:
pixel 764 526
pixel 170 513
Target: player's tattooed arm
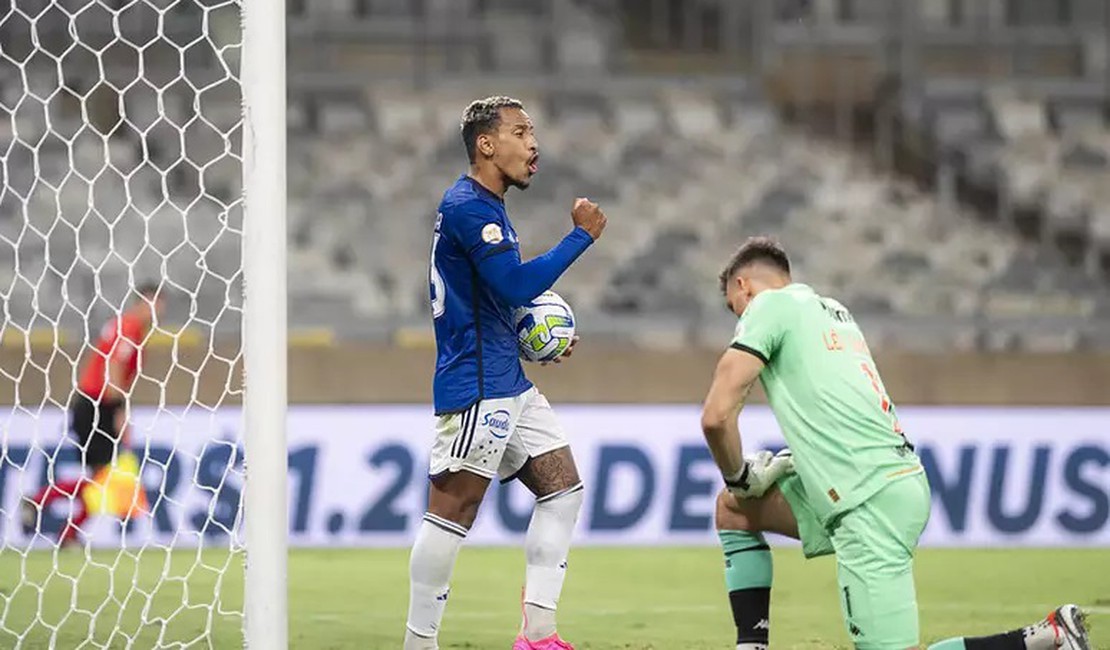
pixel 736 373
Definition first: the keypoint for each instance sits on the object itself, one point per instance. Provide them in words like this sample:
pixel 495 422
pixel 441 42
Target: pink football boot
pixel 552 642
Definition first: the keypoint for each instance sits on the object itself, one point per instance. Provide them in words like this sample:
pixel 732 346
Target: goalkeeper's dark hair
pixel 483 116
pixel 757 250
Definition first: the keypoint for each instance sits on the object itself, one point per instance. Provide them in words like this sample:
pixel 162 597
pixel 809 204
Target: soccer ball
pixel 545 328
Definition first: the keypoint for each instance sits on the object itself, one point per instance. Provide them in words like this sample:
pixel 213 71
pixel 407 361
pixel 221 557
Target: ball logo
pixel 537 335
pixel 491 234
pixel 544 328
pixel 498 423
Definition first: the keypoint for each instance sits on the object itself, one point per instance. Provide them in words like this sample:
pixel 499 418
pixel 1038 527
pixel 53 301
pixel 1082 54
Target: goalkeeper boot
pixel 1069 625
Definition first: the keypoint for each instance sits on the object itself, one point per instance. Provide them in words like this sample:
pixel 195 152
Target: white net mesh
pixel 120 150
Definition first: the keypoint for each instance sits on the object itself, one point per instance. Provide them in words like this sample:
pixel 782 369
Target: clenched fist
pixel 589 217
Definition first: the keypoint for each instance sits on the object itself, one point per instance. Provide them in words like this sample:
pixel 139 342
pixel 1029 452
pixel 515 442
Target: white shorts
pixel 495 437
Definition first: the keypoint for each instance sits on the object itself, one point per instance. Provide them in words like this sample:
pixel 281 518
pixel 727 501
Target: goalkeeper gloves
pixel 759 473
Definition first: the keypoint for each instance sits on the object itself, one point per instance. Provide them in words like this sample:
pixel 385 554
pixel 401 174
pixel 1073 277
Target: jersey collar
pixel 482 189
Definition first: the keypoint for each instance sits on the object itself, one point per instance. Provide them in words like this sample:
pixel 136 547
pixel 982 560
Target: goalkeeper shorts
pixel 874 545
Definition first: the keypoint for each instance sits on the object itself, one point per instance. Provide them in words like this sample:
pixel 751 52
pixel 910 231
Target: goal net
pixel 121 166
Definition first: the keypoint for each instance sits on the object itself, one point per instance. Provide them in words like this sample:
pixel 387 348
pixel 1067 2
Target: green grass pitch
pixel 643 598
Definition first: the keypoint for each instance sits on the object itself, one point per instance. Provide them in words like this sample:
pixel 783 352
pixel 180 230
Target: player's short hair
pixel 483 116
pixel 763 250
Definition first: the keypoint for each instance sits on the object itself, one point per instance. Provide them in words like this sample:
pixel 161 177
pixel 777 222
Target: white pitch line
pixel 1032 610
pixel 593 612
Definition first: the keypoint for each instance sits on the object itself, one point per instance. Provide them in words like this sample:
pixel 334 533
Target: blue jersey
pixel 477 281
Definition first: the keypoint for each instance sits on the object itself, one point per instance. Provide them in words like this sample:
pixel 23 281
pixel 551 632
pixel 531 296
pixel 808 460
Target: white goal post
pixel 142 143
pixel 265 323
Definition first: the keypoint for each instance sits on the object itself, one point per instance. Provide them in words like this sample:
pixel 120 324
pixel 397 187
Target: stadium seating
pixel 685 177
pixel 684 174
pixel 1043 157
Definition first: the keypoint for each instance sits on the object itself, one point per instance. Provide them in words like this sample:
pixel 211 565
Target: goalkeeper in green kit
pixel 850 484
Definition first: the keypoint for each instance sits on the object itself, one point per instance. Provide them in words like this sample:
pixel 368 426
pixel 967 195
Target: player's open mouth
pixel 534 164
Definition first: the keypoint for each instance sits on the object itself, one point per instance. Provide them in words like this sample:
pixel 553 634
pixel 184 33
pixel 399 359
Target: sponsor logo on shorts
pixel 498 423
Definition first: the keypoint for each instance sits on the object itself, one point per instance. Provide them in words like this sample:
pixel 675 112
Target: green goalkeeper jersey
pixel 827 397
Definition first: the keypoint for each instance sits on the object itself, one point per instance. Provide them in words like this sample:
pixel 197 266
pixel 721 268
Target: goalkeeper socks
pixel 545 547
pixel 1025 639
pixel 748 573
pixel 430 566
pixel 1043 635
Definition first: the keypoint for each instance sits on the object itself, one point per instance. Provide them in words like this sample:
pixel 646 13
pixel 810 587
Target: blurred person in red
pixel 99 407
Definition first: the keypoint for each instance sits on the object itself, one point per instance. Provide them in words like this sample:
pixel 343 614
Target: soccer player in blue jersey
pixel 491 420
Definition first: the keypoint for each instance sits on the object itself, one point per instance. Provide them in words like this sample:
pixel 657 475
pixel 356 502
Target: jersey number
pixel 438 290
pixel 884 399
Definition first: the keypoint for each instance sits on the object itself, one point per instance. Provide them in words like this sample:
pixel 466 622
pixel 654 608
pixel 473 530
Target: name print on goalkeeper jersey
pixel 827 396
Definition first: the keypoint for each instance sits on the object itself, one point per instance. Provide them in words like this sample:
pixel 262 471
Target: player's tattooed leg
pixel 546 474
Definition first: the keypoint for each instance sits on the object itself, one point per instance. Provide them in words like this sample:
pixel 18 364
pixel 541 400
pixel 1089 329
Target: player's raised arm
pixel 498 259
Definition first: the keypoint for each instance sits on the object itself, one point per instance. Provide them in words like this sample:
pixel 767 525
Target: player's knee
pixel 732 515
pixel 461 510
pixel 567 499
pixel 457 499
